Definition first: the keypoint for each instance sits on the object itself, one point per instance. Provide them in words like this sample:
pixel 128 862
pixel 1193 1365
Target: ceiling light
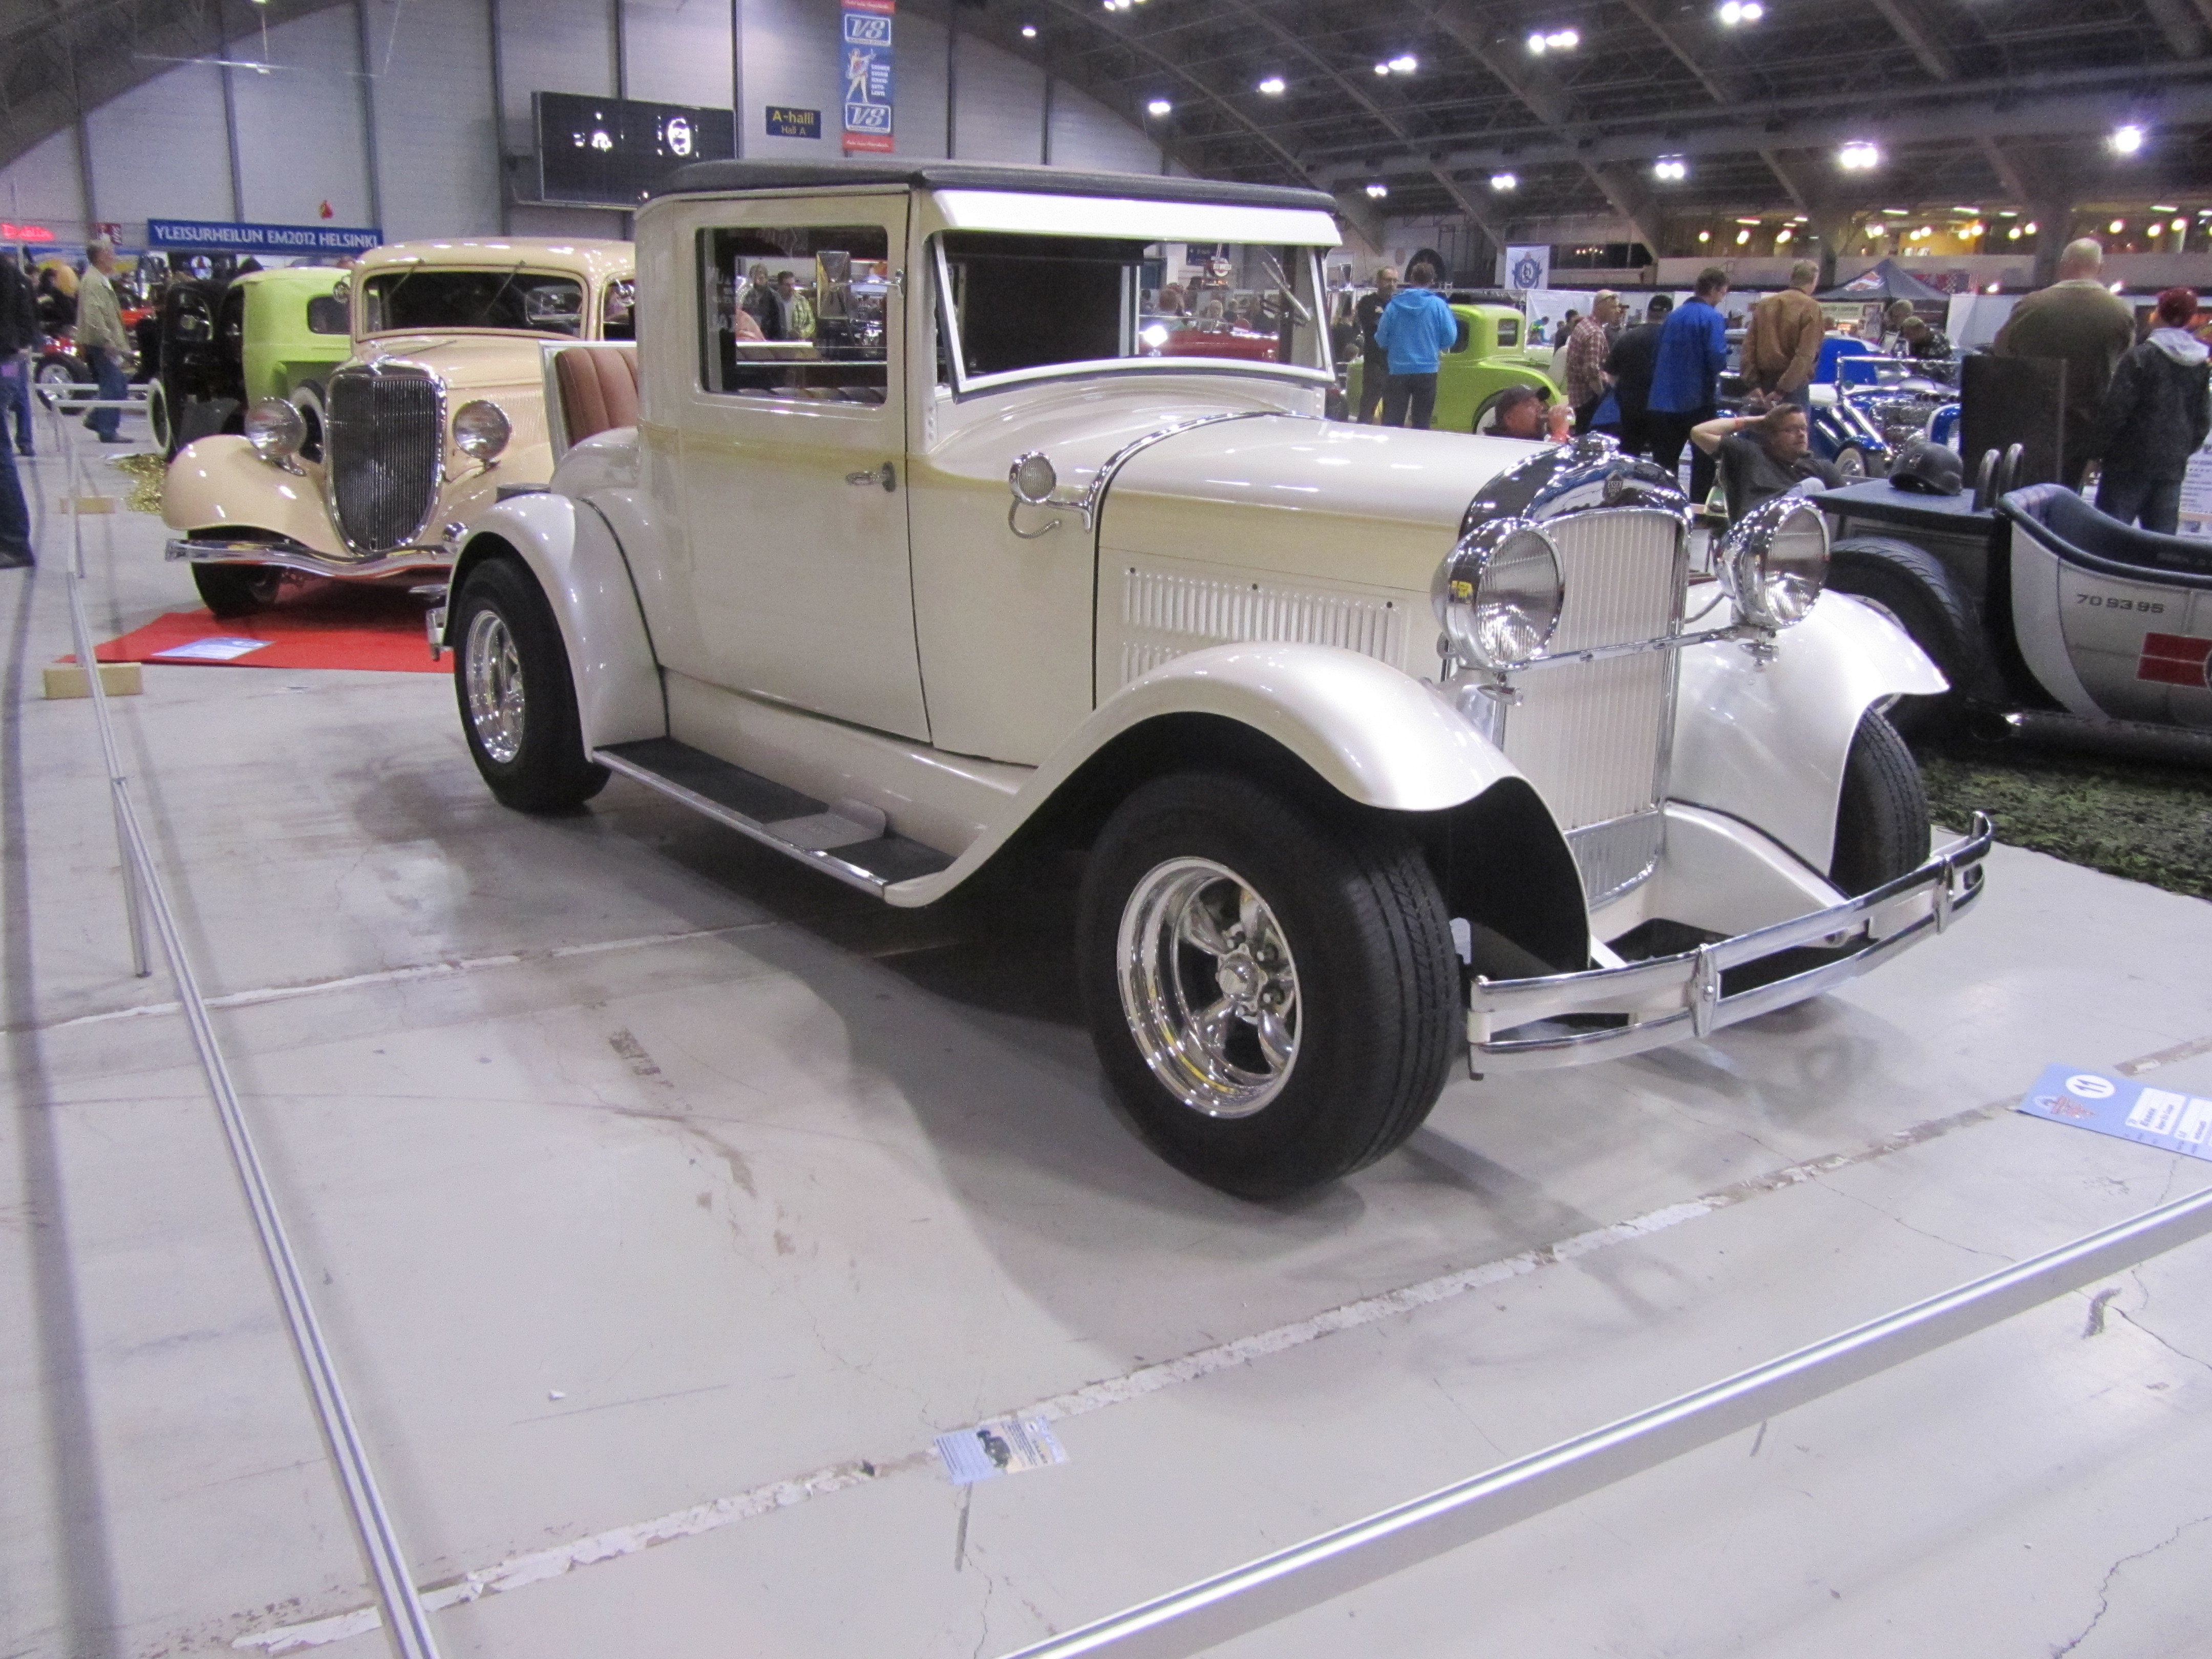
pixel 1381 69
pixel 1378 190
pixel 1705 236
pixel 2028 228
pixel 1895 213
pixel 1735 12
pixel 2181 224
pixel 1028 31
pixel 2163 207
pixel 2156 229
pixel 1404 63
pixel 2117 287
pixel 1670 167
pixel 1858 156
pixel 1553 40
pixel 1751 221
pixel 1991 288
pixel 1742 237
pixel 1274 86
pixel 1159 106
pixel 2013 235
pixel 1503 181
pixel 1970 212
pixel 2127 140
pixel 2115 227
pixel 1782 235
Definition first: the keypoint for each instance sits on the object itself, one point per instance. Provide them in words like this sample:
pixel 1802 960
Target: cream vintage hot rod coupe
pixel 1381 747
pixel 369 473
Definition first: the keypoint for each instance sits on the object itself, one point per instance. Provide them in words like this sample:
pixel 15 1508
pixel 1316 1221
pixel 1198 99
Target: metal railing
pixel 1262 1592
pixel 145 897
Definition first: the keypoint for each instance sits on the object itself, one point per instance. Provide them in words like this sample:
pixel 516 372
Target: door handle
pixel 886 475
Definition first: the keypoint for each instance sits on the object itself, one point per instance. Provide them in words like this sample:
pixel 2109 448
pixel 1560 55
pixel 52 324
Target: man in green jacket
pixel 2081 322
pixel 101 339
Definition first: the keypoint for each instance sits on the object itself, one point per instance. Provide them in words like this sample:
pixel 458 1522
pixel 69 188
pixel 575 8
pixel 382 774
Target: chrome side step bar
pixel 848 841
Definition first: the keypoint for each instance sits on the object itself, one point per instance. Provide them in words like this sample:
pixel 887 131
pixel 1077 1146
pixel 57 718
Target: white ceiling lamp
pixel 1159 106
pixel 1404 63
pixel 2115 227
pixel 1501 182
pixel 2127 140
pixel 2181 224
pixel 1735 13
pixel 1273 87
pixel 1378 190
pixel 1860 156
pixel 1671 169
pixel 1028 31
pixel 1543 41
pixel 1742 237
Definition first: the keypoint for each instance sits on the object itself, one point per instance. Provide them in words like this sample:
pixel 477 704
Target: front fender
pixel 1374 735
pixel 580 567
pixel 1766 742
pixel 219 481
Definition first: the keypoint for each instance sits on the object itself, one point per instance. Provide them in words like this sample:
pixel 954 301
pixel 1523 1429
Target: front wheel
pixel 1273 992
pixel 1851 462
pixel 307 398
pixel 1882 818
pixel 518 700
pixel 237 590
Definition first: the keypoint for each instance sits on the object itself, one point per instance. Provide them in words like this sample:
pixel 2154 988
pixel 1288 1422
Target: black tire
pixel 157 419
pixel 1486 407
pixel 1911 585
pixel 1379 1006
pixel 521 725
pixel 237 590
pixel 1882 820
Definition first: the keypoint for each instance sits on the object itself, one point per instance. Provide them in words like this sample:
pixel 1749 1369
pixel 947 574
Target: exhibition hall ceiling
pixel 1512 113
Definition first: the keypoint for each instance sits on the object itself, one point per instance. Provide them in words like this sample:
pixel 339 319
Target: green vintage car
pixel 1485 361
pixel 227 345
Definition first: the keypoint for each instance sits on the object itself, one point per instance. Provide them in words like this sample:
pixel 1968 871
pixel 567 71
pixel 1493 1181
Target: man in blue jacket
pixel 1685 380
pixel 1417 327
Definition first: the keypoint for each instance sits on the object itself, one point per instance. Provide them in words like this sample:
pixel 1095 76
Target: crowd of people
pixel 2138 410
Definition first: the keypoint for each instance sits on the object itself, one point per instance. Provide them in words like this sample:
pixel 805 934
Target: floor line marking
pixel 536 1566
pixel 445 969
pixel 2181 1051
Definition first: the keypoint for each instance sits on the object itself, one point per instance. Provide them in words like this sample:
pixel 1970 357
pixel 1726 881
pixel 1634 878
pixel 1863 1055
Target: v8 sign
pixel 867 49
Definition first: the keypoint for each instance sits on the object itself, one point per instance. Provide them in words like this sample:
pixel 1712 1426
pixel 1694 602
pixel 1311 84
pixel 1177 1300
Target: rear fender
pixel 580 567
pixel 1765 742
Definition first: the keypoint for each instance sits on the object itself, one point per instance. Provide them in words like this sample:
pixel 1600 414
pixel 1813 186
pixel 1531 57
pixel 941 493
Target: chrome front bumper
pixel 1669 998
pixel 292 556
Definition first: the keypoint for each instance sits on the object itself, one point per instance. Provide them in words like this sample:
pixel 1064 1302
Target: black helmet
pixel 1929 468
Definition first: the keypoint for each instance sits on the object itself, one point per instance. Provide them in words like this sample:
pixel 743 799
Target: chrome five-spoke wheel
pixel 1209 987
pixel 493 670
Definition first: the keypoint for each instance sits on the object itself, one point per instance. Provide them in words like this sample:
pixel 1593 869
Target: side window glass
pixel 326 314
pixel 795 313
pixel 1466 333
pixel 1508 331
pixel 618 315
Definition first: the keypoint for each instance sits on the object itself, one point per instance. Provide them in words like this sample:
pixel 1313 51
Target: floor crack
pixel 2105 1586
pixel 2180 1354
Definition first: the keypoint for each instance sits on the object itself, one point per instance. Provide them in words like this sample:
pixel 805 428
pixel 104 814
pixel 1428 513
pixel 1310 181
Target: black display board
pixel 2003 401
pixel 608 152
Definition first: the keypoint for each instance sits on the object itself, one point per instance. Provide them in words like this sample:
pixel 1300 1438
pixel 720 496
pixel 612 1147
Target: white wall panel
pixel 791 58
pixel 1000 108
pixel 437 143
pixel 1086 134
pixel 161 149
pixel 551 45
pixel 300 137
pixel 919 121
pixel 41 186
pixel 678 51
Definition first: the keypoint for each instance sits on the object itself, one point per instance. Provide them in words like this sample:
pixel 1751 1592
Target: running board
pixel 849 841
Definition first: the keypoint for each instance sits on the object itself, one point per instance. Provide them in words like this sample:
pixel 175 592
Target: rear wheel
pixel 237 590
pixel 1851 462
pixel 517 699
pixel 1272 991
pixel 1882 820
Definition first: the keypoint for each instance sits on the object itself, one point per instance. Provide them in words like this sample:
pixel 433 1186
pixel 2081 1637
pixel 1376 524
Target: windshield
pixel 1023 302
pixel 528 301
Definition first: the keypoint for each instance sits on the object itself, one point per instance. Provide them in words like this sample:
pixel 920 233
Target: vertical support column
pixel 373 163
pixel 737 74
pixel 951 80
pixel 498 118
pixel 230 119
pixel 2054 226
pixel 86 189
pixel 616 22
pixel 1044 126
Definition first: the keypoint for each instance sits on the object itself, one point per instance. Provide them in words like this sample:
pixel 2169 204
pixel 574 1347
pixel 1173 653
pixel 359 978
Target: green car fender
pixel 1486 361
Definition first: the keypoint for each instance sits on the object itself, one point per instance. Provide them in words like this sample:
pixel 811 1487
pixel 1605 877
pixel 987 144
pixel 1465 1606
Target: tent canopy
pixel 1886 280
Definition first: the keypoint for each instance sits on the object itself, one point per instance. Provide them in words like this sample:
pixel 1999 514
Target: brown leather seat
pixel 598 389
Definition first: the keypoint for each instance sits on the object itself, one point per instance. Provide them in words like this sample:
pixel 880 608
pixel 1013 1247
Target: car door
pixel 791 460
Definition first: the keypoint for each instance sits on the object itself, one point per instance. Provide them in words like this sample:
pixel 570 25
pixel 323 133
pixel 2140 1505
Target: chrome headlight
pixel 1497 596
pixel 1032 478
pixel 1775 561
pixel 275 428
pixel 480 429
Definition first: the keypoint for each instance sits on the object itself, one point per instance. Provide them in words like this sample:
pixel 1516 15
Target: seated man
pixel 1762 456
pixel 1523 412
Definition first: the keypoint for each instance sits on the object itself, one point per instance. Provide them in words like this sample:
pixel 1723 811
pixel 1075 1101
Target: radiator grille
pixel 1165 616
pixel 1592 736
pixel 384 445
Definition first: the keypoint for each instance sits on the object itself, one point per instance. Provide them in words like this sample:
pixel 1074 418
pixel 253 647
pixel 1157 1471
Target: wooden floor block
pixel 118 679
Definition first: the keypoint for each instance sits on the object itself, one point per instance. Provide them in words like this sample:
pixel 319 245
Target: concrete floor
pixel 656 1191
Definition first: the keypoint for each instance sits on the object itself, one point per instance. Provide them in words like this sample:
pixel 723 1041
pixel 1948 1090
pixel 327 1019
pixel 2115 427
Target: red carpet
pixel 313 624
